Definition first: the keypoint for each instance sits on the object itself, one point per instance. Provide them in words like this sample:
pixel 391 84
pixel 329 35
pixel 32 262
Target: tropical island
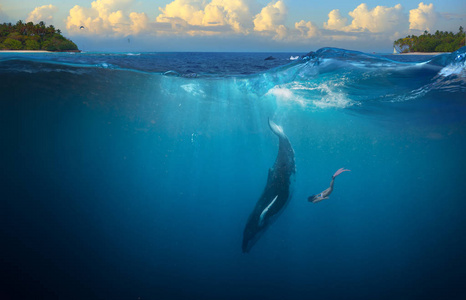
pixel 440 41
pixel 34 37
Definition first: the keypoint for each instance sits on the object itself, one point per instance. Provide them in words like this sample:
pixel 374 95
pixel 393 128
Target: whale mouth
pixel 246 249
pixel 250 239
pixel 247 245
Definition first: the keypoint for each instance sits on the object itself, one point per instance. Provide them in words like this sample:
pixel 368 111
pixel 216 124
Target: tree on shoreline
pixel 440 41
pixel 30 36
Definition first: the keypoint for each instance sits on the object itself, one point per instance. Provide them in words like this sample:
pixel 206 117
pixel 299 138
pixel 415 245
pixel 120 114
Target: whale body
pixel 276 192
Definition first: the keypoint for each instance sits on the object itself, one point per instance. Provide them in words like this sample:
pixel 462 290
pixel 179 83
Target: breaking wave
pixel 327 78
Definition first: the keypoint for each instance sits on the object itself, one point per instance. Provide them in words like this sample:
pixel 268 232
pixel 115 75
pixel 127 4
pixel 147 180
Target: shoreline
pixel 24 51
pixel 36 51
pixel 422 53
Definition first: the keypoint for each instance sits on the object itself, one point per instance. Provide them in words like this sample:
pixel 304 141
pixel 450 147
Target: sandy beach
pixel 24 51
pixel 423 53
pixel 35 51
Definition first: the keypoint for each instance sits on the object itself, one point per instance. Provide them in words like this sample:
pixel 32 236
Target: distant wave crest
pixel 338 78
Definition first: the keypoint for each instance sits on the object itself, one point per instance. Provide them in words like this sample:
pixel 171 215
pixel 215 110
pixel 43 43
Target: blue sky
pixel 237 25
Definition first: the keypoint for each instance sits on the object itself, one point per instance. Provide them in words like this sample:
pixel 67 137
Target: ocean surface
pixel 132 175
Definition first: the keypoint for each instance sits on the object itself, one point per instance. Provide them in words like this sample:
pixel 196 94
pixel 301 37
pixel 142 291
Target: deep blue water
pixel 131 176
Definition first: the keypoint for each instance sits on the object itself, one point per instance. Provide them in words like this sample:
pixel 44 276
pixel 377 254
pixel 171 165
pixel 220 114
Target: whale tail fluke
pixel 278 130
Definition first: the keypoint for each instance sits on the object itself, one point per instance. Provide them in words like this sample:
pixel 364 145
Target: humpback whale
pixel 276 192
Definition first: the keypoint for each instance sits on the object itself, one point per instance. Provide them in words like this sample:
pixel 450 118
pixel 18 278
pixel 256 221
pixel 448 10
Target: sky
pixel 237 25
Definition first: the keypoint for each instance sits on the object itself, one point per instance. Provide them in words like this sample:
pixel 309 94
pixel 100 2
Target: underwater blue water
pixel 132 175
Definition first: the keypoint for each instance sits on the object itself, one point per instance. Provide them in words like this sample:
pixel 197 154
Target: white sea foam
pixel 453 69
pixel 332 98
pixel 329 94
pixel 193 89
pixel 320 96
pixel 285 95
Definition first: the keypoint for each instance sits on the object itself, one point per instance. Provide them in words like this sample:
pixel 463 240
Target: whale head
pixel 250 237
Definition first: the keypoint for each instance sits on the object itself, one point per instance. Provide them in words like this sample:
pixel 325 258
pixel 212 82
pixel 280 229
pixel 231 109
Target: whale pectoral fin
pixel 264 212
pixel 278 130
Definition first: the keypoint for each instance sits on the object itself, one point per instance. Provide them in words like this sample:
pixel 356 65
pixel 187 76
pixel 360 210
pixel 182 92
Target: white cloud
pixel 307 29
pixel 379 19
pixel 423 18
pixel 42 13
pixel 106 17
pixel 233 13
pixel 217 15
pixel 271 17
pixel 183 17
pixel 269 22
pixel 89 19
pixel 366 25
pixel 239 19
pixel 182 12
pixel 335 21
pixel 282 33
pixel 104 6
pixel 139 22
